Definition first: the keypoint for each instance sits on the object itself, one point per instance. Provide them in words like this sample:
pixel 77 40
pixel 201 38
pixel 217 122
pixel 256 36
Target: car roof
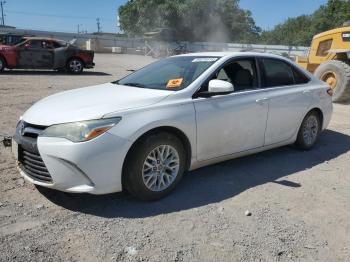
pixel 234 54
pixel 40 38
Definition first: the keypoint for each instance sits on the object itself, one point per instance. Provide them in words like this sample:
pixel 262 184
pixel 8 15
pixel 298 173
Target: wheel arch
pixel 318 111
pixel 4 58
pixel 169 129
pixel 75 57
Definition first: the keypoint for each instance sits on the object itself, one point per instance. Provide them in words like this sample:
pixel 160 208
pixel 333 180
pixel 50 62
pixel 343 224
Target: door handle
pixel 306 92
pixel 261 101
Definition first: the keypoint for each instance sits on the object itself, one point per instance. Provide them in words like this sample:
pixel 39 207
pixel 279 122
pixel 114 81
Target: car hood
pixel 90 103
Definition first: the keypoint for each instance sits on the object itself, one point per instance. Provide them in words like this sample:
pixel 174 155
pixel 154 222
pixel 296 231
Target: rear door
pixel 60 55
pixel 288 96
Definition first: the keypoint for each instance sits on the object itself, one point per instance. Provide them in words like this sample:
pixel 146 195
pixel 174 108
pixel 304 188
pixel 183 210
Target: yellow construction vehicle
pixel 329 60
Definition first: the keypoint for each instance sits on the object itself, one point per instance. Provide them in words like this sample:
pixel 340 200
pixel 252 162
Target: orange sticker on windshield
pixel 174 83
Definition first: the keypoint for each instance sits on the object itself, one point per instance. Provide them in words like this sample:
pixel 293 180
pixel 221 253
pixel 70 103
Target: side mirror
pixel 26 46
pixel 220 86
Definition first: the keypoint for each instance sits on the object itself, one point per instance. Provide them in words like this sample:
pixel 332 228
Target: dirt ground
pixel 299 201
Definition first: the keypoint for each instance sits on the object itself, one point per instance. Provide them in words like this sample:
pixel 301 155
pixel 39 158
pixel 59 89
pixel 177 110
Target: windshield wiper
pixel 134 84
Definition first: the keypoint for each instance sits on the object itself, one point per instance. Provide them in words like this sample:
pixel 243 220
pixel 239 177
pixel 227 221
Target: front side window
pixel 241 73
pixel 324 47
pixel 174 73
pixel 35 44
pixel 277 73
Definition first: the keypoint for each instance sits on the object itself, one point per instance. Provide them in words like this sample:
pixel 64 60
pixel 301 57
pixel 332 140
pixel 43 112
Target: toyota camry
pixel 144 131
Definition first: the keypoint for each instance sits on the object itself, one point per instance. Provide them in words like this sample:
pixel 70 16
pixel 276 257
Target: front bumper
pixel 90 167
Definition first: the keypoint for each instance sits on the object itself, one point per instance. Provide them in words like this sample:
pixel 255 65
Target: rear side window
pixel 299 77
pixel 324 47
pixel 35 44
pixel 277 73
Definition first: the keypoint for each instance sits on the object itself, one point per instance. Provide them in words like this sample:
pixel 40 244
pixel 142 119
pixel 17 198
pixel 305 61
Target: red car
pixel 45 53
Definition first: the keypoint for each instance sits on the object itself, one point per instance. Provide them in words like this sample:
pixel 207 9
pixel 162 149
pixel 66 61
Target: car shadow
pixel 212 184
pixel 51 72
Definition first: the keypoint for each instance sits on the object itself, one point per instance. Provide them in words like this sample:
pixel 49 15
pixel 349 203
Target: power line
pixel 56 15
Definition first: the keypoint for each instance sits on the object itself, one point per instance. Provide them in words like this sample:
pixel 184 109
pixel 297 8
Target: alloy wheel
pixel 310 130
pixel 75 66
pixel 161 168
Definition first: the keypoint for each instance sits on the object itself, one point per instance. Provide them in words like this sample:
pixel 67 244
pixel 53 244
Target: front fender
pixel 134 125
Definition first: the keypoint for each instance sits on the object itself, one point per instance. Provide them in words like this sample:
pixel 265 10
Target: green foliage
pixel 194 20
pixel 224 20
pixel 300 30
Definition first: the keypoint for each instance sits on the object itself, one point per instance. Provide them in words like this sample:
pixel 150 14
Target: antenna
pixel 2 3
pixel 98 25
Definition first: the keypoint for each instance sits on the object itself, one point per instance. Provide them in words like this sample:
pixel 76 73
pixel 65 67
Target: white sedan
pixel 143 132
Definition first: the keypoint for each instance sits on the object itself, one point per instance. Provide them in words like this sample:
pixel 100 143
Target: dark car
pixel 45 53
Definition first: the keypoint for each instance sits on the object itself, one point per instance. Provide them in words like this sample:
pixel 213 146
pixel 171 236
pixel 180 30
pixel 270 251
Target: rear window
pixel 346 36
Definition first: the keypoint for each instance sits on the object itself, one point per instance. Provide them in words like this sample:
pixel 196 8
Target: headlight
pixel 81 131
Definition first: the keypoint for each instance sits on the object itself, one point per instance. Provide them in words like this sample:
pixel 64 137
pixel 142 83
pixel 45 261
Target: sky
pixel 68 15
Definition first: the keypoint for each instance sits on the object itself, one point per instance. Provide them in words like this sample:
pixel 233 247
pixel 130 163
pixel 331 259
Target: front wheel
pixel 309 131
pixel 75 66
pixel 155 166
pixel 2 64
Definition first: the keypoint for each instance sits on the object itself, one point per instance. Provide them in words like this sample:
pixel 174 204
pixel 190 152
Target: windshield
pixel 174 73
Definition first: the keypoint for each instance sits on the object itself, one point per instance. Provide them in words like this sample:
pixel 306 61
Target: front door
pixel 36 54
pixel 235 122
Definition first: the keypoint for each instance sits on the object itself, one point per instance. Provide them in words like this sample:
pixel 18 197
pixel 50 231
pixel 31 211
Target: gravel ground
pixel 299 201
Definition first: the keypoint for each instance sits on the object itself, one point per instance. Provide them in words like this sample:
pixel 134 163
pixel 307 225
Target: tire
pixel 309 131
pixel 75 66
pixel 2 64
pixel 341 71
pixel 147 179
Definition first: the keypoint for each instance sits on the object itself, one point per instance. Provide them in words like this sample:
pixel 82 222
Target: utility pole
pixel 98 25
pixel 79 28
pixel 2 3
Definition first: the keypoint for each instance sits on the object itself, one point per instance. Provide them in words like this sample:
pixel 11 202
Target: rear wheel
pixel 75 66
pixel 155 166
pixel 337 75
pixel 309 131
pixel 2 64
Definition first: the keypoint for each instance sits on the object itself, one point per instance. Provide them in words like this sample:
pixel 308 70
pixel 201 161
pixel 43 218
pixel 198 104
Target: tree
pixel 300 30
pixel 294 32
pixel 194 20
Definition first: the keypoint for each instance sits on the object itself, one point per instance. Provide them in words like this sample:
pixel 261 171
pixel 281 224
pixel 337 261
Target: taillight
pixel 330 91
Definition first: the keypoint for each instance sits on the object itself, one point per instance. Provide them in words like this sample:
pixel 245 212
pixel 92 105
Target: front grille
pixel 34 166
pixel 28 154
